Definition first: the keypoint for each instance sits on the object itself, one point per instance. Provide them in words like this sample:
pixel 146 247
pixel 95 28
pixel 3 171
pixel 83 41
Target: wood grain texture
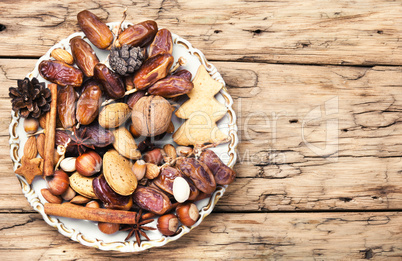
pixel 326 32
pixel 277 170
pixel 307 236
pixel 319 160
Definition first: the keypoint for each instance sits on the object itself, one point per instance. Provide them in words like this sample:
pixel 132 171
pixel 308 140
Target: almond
pixel 82 185
pixel 79 200
pixel 62 56
pixel 40 144
pixel 30 149
pixel 170 151
pixel 50 197
pixel 114 115
pixel 118 173
pixel 125 144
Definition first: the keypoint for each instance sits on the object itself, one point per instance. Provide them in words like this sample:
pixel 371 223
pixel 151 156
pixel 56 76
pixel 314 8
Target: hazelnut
pixel 152 171
pixel 154 156
pixel 88 163
pixel 187 213
pixel 108 228
pixel 31 125
pixel 50 197
pixel 58 183
pixel 168 224
pixel 139 168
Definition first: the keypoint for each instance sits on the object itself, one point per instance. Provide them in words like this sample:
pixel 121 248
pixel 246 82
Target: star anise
pixel 80 140
pixel 138 228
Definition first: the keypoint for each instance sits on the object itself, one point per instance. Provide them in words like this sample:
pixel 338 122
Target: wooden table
pixel 317 88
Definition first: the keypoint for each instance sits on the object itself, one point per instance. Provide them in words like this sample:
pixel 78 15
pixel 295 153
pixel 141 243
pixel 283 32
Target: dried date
pixel 173 85
pixel 152 199
pixel 89 102
pixel 84 56
pixel 222 173
pixel 162 43
pixel 134 97
pixel 108 196
pixel 112 83
pixel 95 30
pixel 140 34
pixel 153 69
pixel 66 97
pixel 198 172
pixel 61 73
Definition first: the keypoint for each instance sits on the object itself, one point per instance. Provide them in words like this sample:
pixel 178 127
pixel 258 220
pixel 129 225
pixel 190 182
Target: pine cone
pixel 126 60
pixel 31 98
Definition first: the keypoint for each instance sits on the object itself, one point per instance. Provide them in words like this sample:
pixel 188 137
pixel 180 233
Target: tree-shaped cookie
pixel 202 111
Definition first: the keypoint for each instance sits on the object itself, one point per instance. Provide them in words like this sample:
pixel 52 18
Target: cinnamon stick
pixel 50 133
pixel 94 214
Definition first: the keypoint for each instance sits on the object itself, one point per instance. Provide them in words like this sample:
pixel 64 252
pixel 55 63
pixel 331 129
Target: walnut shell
pixel 151 115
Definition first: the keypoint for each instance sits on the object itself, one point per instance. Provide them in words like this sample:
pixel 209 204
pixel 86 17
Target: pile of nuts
pixel 100 137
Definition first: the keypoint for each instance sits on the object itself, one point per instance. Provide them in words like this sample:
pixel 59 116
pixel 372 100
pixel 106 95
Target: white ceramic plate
pixel 86 232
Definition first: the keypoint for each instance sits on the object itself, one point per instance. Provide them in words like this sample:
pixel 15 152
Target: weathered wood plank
pixel 306 236
pixel 308 32
pixel 279 168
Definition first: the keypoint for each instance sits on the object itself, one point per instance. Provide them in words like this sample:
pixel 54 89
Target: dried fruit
pixel 112 84
pixel 134 97
pixel 140 34
pixel 222 173
pixel 89 102
pixel 198 172
pixel 172 86
pixel 166 178
pixel 152 199
pixel 109 197
pixel 162 43
pixel 95 30
pixel 126 60
pixel 30 98
pixel 84 55
pixel 154 156
pixel 62 56
pixel 66 97
pixel 61 73
pixel 154 68
pixel 151 115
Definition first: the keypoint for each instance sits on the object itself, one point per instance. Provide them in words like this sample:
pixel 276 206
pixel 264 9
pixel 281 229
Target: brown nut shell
pixel 118 173
pixel 84 55
pixel 151 115
pixel 61 73
pixel 58 183
pixel 187 213
pixel 168 224
pixel 88 163
pixel 108 228
pixel 95 30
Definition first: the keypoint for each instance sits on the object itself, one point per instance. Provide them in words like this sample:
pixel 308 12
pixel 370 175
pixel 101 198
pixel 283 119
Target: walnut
pixel 151 115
